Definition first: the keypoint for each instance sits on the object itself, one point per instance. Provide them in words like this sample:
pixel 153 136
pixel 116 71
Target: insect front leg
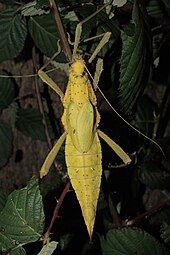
pixel 78 33
pixel 45 78
pixel 52 154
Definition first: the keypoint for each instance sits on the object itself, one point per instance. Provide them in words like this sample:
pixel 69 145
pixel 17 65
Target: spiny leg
pixel 78 32
pixel 45 78
pixel 51 156
pixel 115 147
pixel 99 69
pixel 102 42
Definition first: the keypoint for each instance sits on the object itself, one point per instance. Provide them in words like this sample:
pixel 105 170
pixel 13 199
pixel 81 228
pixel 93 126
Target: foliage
pixel 136 73
pixel 22 218
pixel 130 241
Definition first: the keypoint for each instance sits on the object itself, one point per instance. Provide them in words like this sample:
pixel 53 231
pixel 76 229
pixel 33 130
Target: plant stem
pixel 56 209
pixel 151 211
pixel 64 41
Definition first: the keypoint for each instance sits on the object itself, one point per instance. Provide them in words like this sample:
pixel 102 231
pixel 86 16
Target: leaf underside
pixel 135 59
pixel 153 176
pixel 13 33
pixel 43 32
pixel 165 233
pixel 22 219
pixel 29 122
pixel 130 241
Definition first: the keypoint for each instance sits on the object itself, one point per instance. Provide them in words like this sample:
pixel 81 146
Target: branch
pixel 145 215
pixel 64 41
pixel 56 210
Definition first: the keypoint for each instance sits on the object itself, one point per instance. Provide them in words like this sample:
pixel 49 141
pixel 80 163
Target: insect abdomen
pixel 85 170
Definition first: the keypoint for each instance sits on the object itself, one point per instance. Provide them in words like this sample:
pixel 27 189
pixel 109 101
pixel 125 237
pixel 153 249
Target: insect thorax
pixel 77 67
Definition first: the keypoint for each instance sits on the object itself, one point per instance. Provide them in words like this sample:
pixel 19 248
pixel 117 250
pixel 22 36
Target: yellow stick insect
pixel 81 119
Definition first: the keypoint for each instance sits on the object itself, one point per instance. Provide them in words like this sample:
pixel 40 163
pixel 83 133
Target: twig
pixel 64 41
pixel 145 215
pixel 56 210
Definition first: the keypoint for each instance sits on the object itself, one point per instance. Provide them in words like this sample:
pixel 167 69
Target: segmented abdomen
pixel 85 170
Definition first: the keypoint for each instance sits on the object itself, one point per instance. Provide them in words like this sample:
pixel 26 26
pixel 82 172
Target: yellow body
pixel 82 150
pixel 82 147
pixel 85 170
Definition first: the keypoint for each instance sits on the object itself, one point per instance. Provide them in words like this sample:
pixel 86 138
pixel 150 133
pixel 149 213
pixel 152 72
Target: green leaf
pixel 41 3
pixel 64 241
pixel 3 198
pixel 6 138
pixel 119 3
pixel 130 241
pixel 154 177
pixel 135 58
pixel 5 242
pixel 18 251
pixel 7 90
pixel 30 9
pixel 43 31
pixel 13 33
pixel 155 9
pixel 48 248
pixel 29 122
pixel 165 233
pixel 22 219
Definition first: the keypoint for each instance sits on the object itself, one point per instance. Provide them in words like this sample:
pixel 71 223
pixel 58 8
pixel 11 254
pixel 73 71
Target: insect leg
pixel 45 78
pixel 51 156
pixel 102 42
pixel 99 69
pixel 117 149
pixel 79 29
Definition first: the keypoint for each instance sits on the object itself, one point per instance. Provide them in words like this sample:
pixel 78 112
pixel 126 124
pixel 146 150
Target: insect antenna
pixel 118 114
